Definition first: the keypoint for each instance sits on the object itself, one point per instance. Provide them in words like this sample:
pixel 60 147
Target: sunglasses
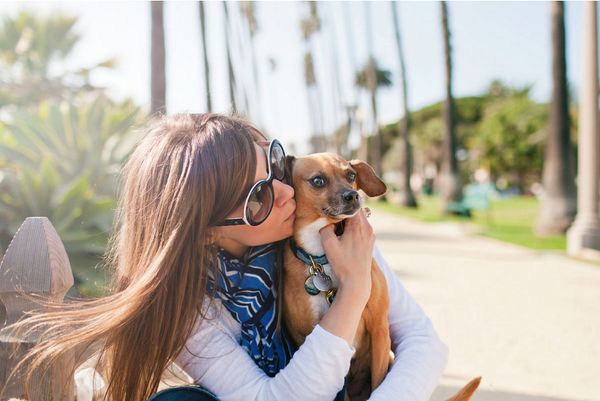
pixel 260 198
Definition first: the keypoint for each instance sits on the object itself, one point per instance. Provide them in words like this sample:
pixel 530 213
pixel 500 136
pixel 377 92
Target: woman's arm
pixel 316 372
pixel 420 355
pixel 215 360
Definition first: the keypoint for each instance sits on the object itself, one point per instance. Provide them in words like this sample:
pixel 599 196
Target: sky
pixel 509 41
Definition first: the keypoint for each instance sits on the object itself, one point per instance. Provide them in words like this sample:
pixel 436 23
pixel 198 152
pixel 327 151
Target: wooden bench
pixel 36 263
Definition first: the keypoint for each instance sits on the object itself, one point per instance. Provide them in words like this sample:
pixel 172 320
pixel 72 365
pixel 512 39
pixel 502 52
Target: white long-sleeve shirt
pixel 214 358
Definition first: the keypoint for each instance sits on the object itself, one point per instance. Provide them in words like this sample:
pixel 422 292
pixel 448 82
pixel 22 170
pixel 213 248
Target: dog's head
pixel 326 186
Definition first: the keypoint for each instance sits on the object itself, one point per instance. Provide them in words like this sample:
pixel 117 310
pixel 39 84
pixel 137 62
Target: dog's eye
pixel 351 176
pixel 317 182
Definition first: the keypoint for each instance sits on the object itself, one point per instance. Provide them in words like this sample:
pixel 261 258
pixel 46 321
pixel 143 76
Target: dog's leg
pixel 380 353
pixel 378 327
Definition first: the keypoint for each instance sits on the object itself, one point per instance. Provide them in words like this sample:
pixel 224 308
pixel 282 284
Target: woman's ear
pixel 367 180
pixel 211 236
pixel 289 168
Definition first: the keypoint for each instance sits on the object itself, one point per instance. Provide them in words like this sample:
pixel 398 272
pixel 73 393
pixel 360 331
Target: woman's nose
pixel 283 192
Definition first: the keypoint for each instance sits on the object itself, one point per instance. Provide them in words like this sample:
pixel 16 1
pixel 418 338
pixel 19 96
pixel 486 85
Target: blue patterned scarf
pixel 248 290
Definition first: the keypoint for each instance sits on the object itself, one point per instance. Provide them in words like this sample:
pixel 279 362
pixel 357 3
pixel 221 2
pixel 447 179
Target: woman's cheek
pixel 289 227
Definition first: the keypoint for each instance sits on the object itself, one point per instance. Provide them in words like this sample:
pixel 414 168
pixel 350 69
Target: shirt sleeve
pixel 420 355
pixel 215 360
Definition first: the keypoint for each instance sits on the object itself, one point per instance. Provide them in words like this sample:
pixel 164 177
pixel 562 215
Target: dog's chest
pixel 319 306
pixel 318 303
pixel 310 240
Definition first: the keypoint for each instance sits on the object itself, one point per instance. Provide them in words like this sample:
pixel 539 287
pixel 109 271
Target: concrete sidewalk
pixel 527 321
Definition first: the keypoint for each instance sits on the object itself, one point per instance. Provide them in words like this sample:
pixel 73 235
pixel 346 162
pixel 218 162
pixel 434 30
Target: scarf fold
pixel 248 291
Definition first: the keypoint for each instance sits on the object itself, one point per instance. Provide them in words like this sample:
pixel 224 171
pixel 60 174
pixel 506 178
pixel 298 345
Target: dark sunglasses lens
pixel 278 161
pixel 260 203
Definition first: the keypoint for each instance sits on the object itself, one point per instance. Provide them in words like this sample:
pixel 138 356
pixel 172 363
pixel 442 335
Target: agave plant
pixel 63 162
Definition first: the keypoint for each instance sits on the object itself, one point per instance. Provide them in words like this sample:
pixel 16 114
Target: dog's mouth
pixel 339 227
pixel 340 215
pixel 339 212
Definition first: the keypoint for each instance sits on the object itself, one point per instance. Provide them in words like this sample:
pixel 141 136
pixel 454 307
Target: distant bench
pixel 475 197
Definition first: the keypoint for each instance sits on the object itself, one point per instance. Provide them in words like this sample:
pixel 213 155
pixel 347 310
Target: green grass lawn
pixel 509 220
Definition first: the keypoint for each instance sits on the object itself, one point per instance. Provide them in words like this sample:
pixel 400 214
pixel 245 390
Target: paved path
pixel 527 321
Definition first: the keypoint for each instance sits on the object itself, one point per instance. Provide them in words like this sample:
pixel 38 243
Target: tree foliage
pixel 383 77
pixel 511 135
pixel 32 52
pixel 63 163
pixel 62 142
pixel 503 130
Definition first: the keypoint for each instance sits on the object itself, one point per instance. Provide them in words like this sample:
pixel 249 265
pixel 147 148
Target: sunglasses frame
pixel 267 181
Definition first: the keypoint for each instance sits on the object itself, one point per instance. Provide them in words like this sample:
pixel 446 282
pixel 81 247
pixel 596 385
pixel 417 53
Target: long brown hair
pixel 187 173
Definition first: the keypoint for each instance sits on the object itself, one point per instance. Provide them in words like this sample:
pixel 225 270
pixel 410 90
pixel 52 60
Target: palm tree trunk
pixel 451 185
pixel 372 85
pixel 309 26
pixel 205 57
pixel 584 234
pixel 340 136
pixel 376 138
pixel 559 203
pixel 158 81
pixel 408 198
pixel 247 8
pixel 353 110
pixel 230 71
pixel 243 108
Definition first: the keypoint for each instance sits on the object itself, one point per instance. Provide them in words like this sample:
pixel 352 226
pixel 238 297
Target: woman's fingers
pixel 358 224
pixel 350 254
pixel 328 236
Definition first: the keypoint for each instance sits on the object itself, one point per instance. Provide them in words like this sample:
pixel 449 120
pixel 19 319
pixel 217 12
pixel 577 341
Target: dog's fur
pixel 316 208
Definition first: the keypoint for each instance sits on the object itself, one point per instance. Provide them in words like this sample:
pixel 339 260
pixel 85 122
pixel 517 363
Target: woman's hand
pixel 351 254
pixel 350 257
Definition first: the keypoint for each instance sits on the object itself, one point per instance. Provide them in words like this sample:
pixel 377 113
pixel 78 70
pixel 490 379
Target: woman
pixel 199 200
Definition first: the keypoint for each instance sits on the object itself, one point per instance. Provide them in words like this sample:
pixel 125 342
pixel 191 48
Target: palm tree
pixel 371 81
pixel 248 11
pixel 353 111
pixel 230 71
pixel 310 26
pixel 158 81
pixel 205 57
pixel 559 204
pixel 404 124
pixel 451 183
pixel 370 78
pixel 340 136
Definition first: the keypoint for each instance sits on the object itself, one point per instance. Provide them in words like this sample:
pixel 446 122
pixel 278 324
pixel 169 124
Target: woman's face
pixel 278 225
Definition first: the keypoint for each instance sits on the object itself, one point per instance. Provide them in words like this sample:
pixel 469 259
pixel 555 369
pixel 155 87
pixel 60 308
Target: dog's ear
pixel 366 178
pixel 289 167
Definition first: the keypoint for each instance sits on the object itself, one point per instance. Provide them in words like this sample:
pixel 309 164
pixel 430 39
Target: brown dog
pixel 326 192
pixel 326 188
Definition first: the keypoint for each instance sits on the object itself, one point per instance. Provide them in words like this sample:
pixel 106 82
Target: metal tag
pixel 322 282
pixel 330 296
pixel 309 286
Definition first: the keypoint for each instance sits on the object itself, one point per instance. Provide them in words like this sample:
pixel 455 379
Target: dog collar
pixel 306 257
pixel 315 264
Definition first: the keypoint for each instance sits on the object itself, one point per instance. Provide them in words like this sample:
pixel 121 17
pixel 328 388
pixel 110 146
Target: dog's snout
pixel 350 196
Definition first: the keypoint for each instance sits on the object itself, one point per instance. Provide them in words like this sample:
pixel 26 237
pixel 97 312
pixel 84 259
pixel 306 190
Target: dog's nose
pixel 350 196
